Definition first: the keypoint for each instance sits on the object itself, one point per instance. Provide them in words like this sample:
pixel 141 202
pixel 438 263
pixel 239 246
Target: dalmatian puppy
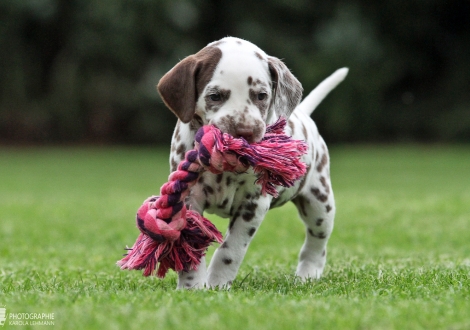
pixel 235 86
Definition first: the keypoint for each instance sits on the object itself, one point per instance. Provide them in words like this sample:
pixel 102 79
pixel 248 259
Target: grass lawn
pixel 399 257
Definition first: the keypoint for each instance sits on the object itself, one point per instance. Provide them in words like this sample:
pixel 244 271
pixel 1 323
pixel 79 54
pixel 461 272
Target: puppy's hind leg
pixel 318 226
pixel 316 208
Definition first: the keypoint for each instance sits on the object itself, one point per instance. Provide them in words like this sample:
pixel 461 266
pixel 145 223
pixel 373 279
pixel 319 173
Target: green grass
pixel 399 257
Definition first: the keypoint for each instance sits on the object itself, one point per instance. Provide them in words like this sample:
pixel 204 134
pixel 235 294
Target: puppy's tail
pixel 321 91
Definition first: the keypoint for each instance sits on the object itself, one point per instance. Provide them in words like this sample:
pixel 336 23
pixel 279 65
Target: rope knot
pixel 215 155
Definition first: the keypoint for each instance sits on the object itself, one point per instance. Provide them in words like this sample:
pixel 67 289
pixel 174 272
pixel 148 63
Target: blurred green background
pixel 83 71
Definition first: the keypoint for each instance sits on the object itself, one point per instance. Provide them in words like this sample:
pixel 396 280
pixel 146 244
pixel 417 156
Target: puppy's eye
pixel 262 96
pixel 215 97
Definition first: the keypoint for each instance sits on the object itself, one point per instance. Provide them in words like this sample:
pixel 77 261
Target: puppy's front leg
pixel 227 258
pixel 194 279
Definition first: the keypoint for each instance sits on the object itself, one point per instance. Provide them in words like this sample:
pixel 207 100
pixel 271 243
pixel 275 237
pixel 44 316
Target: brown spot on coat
pixel 224 204
pixel 323 162
pixel 320 235
pixel 259 82
pixel 174 164
pixel 234 218
pixel 227 261
pixel 208 189
pixel 251 231
pixel 248 216
pixel 325 184
pixel 177 131
pixel 319 195
pixel 304 179
pixel 251 206
pixel 181 150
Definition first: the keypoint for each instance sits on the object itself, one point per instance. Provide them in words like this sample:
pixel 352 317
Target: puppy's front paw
pixel 194 279
pixel 214 282
pixel 190 284
pixel 309 270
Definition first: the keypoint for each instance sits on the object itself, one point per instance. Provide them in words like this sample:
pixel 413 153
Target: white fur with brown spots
pixel 235 86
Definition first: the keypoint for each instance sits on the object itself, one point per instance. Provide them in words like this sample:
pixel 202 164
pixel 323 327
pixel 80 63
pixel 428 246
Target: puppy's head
pixel 233 85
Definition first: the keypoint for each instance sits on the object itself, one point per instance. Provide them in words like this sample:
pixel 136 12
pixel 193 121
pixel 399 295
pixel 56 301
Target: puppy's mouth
pixel 250 133
pixel 247 133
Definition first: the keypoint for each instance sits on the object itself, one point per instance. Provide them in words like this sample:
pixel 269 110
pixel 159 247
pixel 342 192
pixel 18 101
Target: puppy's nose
pixel 246 133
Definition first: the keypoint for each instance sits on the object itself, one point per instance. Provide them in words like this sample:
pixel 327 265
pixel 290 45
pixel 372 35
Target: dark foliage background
pixel 80 71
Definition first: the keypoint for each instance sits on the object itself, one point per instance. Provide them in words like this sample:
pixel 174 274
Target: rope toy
pixel 177 238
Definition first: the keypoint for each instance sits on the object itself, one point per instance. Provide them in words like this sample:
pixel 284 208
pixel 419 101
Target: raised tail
pixel 321 91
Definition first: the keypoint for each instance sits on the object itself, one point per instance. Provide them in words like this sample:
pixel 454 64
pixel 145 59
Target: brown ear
pixel 181 86
pixel 287 89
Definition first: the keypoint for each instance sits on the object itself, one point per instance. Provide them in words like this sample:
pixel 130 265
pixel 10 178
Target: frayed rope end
pixel 183 254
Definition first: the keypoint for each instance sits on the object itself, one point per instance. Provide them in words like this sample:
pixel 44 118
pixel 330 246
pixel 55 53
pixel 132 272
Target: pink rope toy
pixel 178 238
